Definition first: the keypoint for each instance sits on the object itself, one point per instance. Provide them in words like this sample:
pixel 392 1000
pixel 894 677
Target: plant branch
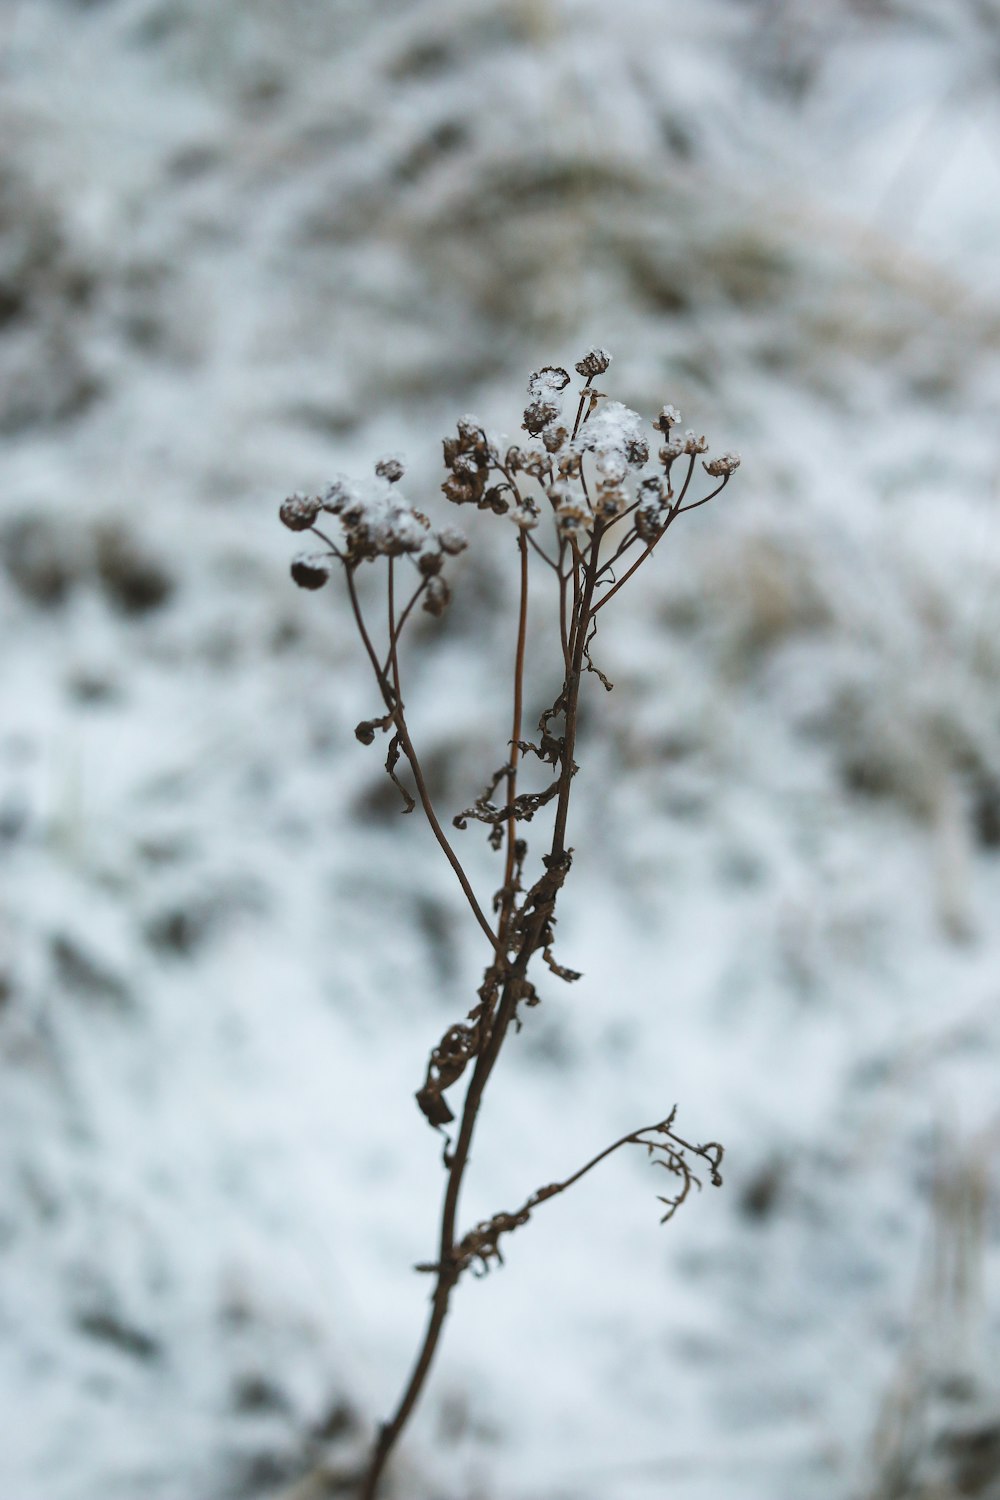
pixel 392 702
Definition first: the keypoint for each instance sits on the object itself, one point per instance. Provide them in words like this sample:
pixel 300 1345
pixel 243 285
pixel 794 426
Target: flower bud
pixel 299 512
pixel 594 362
pixel 310 570
pixel 389 468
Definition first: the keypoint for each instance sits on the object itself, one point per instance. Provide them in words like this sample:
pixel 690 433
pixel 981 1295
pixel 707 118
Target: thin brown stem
pixel 530 939
pixel 677 509
pixel 524 916
pixel 507 901
pixel 572 690
pixel 542 553
pixel 390 695
pixel 579 410
pixel 401 622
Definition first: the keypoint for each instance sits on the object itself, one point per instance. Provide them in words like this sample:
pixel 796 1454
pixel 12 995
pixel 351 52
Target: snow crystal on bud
pixel 299 512
pixel 399 530
pixel 451 540
pixel 611 501
pixel 572 512
pixel 693 444
pixel 612 466
pixel 614 429
pixel 389 468
pixel 525 515
pixel 310 570
pixel 548 382
pixel 436 596
pixel 573 521
pixel 594 362
pixel 723 466
pixel 538 415
pixel 669 417
pixel 338 494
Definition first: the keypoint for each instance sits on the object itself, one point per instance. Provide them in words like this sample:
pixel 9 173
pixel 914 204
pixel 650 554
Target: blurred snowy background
pixel 248 244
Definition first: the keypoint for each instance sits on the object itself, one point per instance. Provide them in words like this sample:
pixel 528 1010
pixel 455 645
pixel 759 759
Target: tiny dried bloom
pixel 548 382
pixel 389 468
pixel 649 522
pixel 553 439
pixel 535 463
pixel 611 501
pixel 723 466
pixel 612 465
pixel 669 417
pixel 429 563
pixel 310 570
pixel 524 515
pixel 573 521
pixel 451 540
pixel 398 531
pixel 614 429
pixel 693 444
pixel 436 596
pixel 670 451
pixel 299 512
pixel 594 362
pixel 336 495
pixel 538 414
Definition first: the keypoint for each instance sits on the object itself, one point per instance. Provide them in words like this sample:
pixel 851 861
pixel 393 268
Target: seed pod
pixel 451 540
pixel 594 362
pixel 299 512
pixel 310 571
pixel 538 415
pixel 389 468
pixel 723 466
pixel 437 597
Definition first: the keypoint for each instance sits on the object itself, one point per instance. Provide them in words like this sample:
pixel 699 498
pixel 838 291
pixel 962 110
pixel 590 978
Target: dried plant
pixel 588 477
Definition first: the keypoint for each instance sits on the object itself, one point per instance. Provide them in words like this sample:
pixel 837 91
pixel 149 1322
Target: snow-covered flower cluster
pixel 375 521
pixel 588 460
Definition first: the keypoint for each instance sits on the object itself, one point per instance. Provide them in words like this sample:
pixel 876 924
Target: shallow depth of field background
pixel 247 245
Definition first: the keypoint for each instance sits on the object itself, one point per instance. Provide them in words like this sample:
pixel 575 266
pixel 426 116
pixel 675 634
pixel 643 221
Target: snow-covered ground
pixel 247 245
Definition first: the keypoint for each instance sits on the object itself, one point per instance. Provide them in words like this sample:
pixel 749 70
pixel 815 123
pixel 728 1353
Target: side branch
pixel 477 1249
pixel 393 703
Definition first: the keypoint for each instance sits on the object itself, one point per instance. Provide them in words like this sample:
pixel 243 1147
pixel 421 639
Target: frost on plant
pixel 590 494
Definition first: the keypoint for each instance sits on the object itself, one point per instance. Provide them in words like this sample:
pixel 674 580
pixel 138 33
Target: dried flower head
pixel 451 540
pixel 299 512
pixel 437 597
pixel 310 570
pixel 389 468
pixel 723 466
pixel 594 362
pixel 538 414
pixel 548 382
pixel 614 433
